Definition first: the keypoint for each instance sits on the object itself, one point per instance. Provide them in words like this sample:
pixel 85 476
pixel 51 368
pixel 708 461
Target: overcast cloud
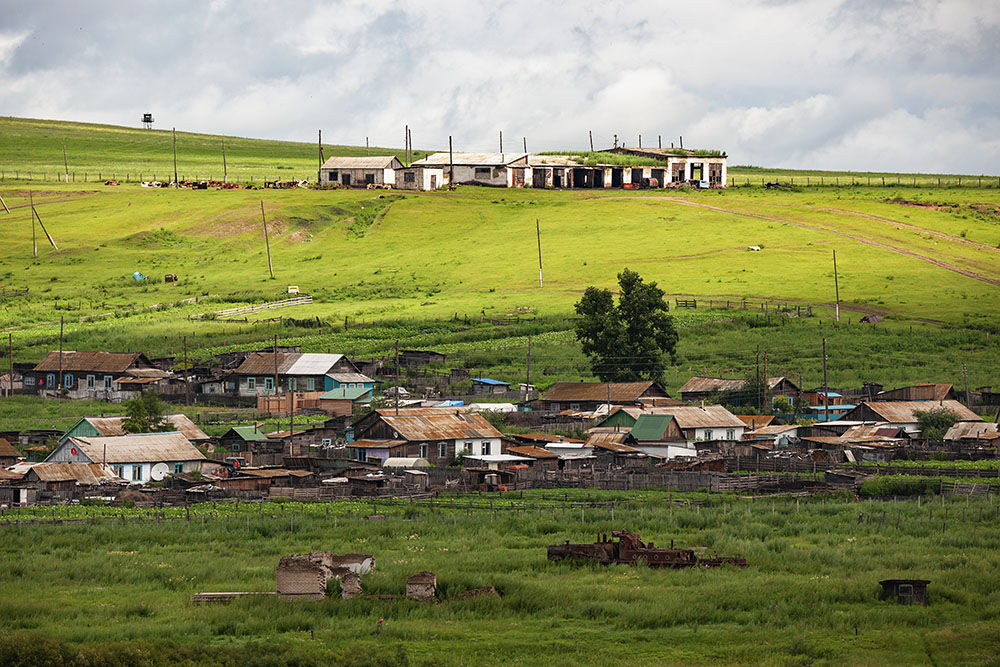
pixel 828 84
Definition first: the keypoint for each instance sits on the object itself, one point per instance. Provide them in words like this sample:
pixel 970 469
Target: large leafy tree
pixel 627 341
pixel 144 414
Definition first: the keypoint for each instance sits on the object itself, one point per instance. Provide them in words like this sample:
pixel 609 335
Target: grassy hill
pixel 440 261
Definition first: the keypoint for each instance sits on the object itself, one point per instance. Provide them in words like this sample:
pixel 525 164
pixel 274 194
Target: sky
pixel 889 85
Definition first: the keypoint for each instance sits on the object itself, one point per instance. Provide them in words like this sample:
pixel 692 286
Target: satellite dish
pixel 158 472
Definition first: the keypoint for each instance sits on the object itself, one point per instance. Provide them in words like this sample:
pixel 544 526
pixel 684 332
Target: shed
pixel 906 591
pixel 422 586
pixel 360 172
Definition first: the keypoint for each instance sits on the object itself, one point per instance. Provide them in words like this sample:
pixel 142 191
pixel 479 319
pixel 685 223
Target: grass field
pixel 110 587
pixel 426 266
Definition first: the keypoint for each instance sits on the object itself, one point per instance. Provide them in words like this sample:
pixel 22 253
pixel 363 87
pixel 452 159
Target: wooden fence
pixel 800 310
pixel 257 308
pixel 735 464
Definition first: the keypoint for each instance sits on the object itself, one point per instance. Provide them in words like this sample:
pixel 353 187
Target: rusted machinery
pixel 626 547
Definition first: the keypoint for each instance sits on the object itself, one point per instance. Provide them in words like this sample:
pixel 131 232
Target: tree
pixel 626 341
pixel 934 423
pixel 144 414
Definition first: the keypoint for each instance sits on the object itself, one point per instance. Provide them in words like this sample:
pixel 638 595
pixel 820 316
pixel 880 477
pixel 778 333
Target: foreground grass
pixel 809 594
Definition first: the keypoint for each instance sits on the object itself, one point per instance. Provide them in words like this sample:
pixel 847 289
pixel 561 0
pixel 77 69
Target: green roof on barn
pixel 649 428
pixel 346 393
pixel 249 433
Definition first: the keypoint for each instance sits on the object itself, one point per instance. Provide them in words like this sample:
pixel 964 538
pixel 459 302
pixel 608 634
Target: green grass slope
pixel 35 147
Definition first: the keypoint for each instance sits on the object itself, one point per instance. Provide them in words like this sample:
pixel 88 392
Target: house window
pixel 310 384
pixel 68 380
pixel 50 380
pixel 423 451
pixel 442 450
pixel 107 382
pixel 178 467
pixel 91 382
pixel 327 442
pixel 730 434
pixel 332 176
pixel 120 471
pixel 482 172
pixel 268 384
pixel 554 407
pixel 292 384
pixel 408 177
pixel 708 434
pixel 574 406
pixel 486 448
pixel 137 473
pixel 251 384
pixel 369 179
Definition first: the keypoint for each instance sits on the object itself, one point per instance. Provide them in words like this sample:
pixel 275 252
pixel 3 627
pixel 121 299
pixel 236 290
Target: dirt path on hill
pixel 914 228
pixel 853 237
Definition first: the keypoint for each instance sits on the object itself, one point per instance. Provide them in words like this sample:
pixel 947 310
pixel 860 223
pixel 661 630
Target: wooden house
pixel 919 392
pixel 296 371
pixel 496 169
pixel 92 427
pixel 90 374
pixel 141 457
pixel 589 396
pixel 251 444
pixel 436 434
pixel 9 455
pixel 902 414
pixel 701 388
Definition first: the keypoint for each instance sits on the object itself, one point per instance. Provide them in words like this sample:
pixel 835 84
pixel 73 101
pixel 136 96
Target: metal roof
pixel 973 430
pixel 350 377
pixel 470 159
pixel 8 450
pixel 406 462
pixel 345 393
pixel 491 381
pixel 311 363
pixel 449 426
pixel 609 440
pixel 363 162
pixel 137 448
pixel 81 473
pixel 377 444
pixel 249 433
pixel 702 384
pixel 497 458
pixel 531 451
pixel 112 426
pixel 556 160
pixel 709 416
pixel 650 428
pixel 597 391
pixel 755 421
pixel 904 411
pixel 99 362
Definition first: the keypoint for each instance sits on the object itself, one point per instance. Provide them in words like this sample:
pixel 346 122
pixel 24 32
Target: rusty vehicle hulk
pixel 626 547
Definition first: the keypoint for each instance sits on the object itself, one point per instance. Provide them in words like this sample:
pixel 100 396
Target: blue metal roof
pixel 490 381
pixel 821 408
pixel 450 404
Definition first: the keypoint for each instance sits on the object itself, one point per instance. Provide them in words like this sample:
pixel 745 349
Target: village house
pixel 505 170
pixel 902 414
pixel 65 481
pixel 140 457
pixel 251 445
pixel 90 374
pixel 919 392
pixel 8 453
pixel 297 371
pixel 436 434
pixel 589 396
pixel 361 171
pixel 89 427
pixel 661 435
pixel 701 388
pixel 540 458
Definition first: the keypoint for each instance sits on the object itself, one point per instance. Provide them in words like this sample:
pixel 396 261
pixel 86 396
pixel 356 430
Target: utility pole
pixel 538 233
pixel 527 373
pixel 591 133
pixel 406 145
pixel 60 351
pixel 319 172
pixel 225 171
pixel 10 351
pixel 501 141
pixel 275 350
pixel 757 375
pixel 397 377
pixel 366 146
pixel 176 185
pixel 659 141
pixel 826 389
pixel 640 141
pixel 451 163
pixel 65 161
pixel 965 379
pixel 187 384
pixel 524 143
pixel 267 242
pixel 836 285
pixel 34 242
pixel 763 385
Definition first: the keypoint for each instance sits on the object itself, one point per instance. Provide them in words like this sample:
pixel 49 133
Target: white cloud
pixel 9 43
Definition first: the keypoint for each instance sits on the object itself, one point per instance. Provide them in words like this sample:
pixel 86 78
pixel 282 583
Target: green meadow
pixel 117 586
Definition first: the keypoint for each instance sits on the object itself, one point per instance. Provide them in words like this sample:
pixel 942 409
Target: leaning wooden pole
pixel 836 285
pixel 65 161
pixel 538 233
pixel 225 171
pixel 42 225
pixel 34 242
pixel 176 184
pixel 4 205
pixel 267 241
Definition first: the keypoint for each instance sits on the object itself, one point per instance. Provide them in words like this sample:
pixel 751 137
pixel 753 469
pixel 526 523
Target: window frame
pixel 251 384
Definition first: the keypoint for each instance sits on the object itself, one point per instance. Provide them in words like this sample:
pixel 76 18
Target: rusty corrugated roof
pixel 441 426
pixel 98 362
pixel 902 412
pixel 756 421
pixel 81 473
pixel 377 444
pixel 362 162
pixel 611 441
pixel 597 391
pixel 137 448
pixel 8 450
pixel 470 159
pixel 701 384
pixel 709 416
pixel 262 363
pixel 532 451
